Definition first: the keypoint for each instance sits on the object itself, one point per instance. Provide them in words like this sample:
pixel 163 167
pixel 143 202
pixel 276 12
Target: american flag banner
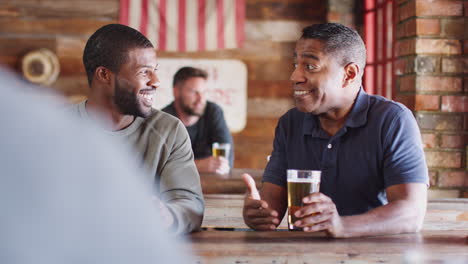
pixel 187 25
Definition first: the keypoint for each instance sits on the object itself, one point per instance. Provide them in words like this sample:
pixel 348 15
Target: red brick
pixel 439 159
pixel 436 46
pixel 465 81
pixel 405 47
pixel 455 103
pixel 439 8
pixel 453 179
pixel 418 27
pixel 407 10
pixel 333 16
pixel 454 28
pixel 425 64
pixel 438 83
pixel 429 140
pixel 433 121
pixel 455 65
pixel 405 65
pixel 453 141
pixel 432 177
pixel 407 83
pixel 466 8
pixel 406 29
pixel 466 128
pixel 406 99
pixel 400 66
pixel 427 26
pixel 465 193
pixel 425 102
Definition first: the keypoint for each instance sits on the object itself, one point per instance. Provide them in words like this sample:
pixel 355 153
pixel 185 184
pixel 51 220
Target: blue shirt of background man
pixel 378 146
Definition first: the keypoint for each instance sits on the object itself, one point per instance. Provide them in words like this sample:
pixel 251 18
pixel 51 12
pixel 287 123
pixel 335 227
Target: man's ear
pixel 103 75
pixel 176 90
pixel 352 73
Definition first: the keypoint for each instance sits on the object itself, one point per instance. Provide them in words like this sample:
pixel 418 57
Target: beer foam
pixel 303 180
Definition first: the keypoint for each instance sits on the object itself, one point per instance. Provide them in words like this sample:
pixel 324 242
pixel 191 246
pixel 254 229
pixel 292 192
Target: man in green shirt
pixel 121 67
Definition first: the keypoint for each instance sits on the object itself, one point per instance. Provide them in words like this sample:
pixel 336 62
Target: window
pixel 379 36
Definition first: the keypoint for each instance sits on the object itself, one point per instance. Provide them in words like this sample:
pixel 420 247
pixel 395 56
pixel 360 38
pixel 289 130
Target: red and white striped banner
pixel 187 25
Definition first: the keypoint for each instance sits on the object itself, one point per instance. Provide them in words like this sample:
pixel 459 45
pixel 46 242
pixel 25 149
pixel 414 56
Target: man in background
pixel 121 66
pixel 204 120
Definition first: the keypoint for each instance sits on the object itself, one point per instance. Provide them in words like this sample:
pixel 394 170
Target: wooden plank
pixel 76 86
pixel 10 62
pixel 300 247
pixel 230 183
pixel 251 152
pixel 276 30
pixel 258 129
pixel 293 10
pixel 252 50
pixel 71 67
pixel 52 26
pixel 269 88
pixel 64 9
pixel 71 46
pixel 272 70
pixel 18 46
pixel 268 108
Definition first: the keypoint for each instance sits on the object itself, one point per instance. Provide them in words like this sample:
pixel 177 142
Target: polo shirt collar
pixel 357 117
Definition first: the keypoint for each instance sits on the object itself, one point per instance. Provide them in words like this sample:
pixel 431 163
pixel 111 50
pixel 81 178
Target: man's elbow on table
pixel 412 200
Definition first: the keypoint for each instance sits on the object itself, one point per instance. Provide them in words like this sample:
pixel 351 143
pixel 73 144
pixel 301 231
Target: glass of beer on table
pixel 221 150
pixel 301 183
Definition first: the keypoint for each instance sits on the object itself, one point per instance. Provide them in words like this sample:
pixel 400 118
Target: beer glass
pixel 300 184
pixel 221 149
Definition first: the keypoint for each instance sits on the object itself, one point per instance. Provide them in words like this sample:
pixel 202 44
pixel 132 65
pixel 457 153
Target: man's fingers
pixel 266 227
pixel 256 213
pixel 264 221
pixel 256 204
pixel 252 188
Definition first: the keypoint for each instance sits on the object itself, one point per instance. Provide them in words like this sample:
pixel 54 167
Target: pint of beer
pixel 221 149
pixel 300 184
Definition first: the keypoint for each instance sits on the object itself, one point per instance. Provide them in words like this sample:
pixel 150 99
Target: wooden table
pixel 226 239
pixel 228 184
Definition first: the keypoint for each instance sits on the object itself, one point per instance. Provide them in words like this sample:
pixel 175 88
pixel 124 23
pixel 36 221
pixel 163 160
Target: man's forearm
pixel 187 213
pixel 399 216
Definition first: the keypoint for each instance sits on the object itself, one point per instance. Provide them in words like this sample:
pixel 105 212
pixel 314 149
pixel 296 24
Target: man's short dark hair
pixel 339 40
pixel 108 47
pixel 185 73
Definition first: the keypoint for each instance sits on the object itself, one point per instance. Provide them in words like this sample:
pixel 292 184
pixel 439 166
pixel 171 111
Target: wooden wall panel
pixel 288 10
pixel 59 8
pixel 272 27
pixel 269 88
pixel 52 26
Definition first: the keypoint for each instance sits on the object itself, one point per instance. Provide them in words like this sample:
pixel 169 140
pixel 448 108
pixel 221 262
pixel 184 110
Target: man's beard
pixel 127 101
pixel 189 111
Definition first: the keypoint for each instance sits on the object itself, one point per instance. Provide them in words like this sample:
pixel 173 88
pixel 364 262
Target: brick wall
pixel 432 70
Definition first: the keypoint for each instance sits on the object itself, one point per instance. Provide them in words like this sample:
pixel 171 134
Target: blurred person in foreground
pixel 374 175
pixel 204 120
pixel 121 66
pixel 64 202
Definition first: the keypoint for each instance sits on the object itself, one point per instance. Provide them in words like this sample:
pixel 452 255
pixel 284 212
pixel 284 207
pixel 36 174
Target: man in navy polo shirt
pixel 374 175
